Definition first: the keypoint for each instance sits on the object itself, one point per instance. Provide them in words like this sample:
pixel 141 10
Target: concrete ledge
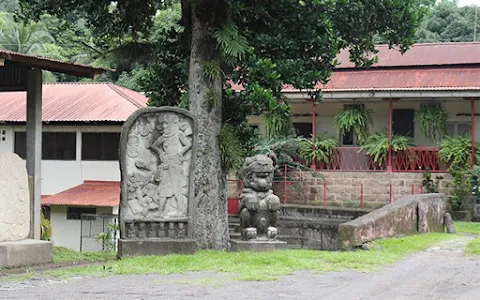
pixel 25 253
pixel 155 247
pixel 256 246
pixel 409 215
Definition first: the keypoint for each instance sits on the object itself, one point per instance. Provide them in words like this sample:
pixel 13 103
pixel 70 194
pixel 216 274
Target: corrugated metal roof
pixel 90 193
pixel 52 64
pixel 438 79
pixel 434 54
pixel 75 102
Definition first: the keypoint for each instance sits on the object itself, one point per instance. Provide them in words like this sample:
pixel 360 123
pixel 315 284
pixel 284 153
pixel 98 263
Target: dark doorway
pixel 303 129
pixel 403 122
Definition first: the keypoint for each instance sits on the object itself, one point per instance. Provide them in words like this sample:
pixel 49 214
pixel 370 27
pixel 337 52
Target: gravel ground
pixel 442 272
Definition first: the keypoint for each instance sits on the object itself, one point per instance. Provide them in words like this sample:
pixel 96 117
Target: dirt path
pixel 442 272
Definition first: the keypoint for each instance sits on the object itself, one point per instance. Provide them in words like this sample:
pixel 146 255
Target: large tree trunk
pixel 210 221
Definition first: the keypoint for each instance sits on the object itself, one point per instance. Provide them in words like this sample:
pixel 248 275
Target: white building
pixel 81 131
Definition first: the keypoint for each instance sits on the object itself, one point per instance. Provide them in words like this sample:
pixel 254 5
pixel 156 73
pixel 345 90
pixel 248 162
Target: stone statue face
pixel 168 123
pixel 258 173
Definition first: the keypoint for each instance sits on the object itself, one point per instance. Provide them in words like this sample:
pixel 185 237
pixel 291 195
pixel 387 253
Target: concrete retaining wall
pixel 409 215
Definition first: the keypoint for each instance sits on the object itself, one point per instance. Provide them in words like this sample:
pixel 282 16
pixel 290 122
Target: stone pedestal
pixel 155 247
pixel 256 245
pixel 25 253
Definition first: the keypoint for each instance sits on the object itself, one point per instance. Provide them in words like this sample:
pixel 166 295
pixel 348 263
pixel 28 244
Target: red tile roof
pixel 90 193
pixel 75 102
pixel 434 54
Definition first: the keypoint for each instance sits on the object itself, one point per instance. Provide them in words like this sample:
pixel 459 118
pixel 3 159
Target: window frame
pixel 56 145
pixel 456 125
pixel 103 150
pixel 79 211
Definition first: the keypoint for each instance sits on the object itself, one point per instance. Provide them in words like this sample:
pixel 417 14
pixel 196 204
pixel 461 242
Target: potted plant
pixel 432 119
pixel 278 121
pixel 355 118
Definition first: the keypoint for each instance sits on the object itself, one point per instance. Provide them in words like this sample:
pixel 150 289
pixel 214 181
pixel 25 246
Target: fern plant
pixel 432 119
pixel 354 118
pixel 232 151
pixel 278 120
pixel 377 145
pixel 230 41
pixel 318 148
pixel 282 150
pixel 456 151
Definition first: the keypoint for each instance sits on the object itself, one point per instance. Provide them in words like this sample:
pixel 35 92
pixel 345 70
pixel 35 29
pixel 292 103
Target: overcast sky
pixel 468 2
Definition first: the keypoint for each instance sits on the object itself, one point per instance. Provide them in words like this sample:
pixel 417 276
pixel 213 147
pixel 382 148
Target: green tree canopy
pixel 447 22
pixel 258 44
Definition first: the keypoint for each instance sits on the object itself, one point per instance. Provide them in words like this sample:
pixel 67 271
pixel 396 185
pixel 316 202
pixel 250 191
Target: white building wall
pixel 6 138
pixel 66 233
pixel 100 170
pixel 60 175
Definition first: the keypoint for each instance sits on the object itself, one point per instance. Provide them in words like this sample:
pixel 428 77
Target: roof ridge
pixel 101 182
pixel 77 83
pixel 116 89
pixel 432 44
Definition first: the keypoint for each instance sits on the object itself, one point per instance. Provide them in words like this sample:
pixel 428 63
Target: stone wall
pixel 344 189
pixel 409 215
pixel 307 227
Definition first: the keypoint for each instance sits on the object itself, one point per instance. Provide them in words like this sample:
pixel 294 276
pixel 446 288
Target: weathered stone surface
pixel 156 162
pixel 256 245
pixel 409 215
pixel 258 205
pixel 155 247
pixel 14 198
pixel 25 253
pixel 448 221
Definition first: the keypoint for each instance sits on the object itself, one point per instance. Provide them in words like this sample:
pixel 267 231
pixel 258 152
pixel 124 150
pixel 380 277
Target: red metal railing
pixel 350 159
pixel 354 159
pixel 297 190
pixel 417 159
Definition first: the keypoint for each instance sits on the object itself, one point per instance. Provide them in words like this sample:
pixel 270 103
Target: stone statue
pixel 156 161
pixel 258 204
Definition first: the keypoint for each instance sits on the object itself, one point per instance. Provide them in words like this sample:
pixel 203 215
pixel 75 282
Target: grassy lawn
pixel 64 255
pixel 473 247
pixel 263 266
pixel 467 227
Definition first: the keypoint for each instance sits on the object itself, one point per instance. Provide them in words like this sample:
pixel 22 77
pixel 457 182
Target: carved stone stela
pixel 156 162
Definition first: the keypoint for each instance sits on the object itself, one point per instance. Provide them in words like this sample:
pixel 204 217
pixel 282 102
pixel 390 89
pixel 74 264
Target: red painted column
pixel 390 134
pixel 472 130
pixel 314 129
